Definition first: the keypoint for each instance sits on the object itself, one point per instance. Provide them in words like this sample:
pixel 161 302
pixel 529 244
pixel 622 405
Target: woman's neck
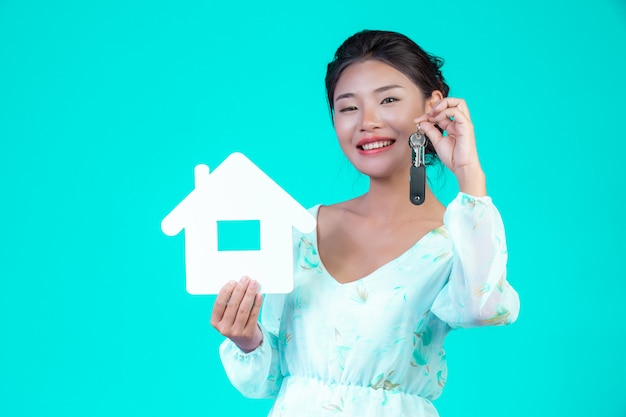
pixel 388 200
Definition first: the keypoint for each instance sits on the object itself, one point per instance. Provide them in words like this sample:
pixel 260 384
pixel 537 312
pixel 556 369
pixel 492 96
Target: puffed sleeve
pixel 477 292
pixel 257 374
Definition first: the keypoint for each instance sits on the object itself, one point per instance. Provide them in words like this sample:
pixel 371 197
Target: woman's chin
pixel 381 172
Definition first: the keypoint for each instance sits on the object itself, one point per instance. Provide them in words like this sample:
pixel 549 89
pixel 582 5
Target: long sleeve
pixel 257 374
pixel 477 292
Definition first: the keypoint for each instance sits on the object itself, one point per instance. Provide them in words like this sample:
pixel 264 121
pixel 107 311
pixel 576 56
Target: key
pixel 417 142
pixel 417 176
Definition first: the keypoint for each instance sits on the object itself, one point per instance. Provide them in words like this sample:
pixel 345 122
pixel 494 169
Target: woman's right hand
pixel 236 313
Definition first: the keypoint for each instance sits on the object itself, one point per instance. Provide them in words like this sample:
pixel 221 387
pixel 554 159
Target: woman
pixel 381 281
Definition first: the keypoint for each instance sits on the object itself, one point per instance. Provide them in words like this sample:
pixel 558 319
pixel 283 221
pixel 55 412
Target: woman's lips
pixel 374 145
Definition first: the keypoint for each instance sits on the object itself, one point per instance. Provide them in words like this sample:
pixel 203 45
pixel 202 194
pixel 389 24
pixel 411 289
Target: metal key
pixel 417 142
pixel 417 175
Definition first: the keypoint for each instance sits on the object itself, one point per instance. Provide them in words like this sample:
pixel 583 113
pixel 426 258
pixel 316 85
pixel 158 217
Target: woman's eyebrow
pixel 378 90
pixel 345 95
pixel 387 87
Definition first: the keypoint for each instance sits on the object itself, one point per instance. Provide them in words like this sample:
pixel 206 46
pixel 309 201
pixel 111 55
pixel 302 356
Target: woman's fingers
pixel 448 116
pixel 457 146
pixel 236 312
pixel 234 305
pixel 245 306
pixel 235 300
pixel 454 120
pixel 434 135
pixel 256 309
pixel 221 303
pixel 445 117
pixel 451 103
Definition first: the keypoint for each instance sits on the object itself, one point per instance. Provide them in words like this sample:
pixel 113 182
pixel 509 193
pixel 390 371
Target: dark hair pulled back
pixel 393 49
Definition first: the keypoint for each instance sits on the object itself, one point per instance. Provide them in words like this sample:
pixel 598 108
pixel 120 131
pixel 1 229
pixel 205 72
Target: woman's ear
pixel 434 98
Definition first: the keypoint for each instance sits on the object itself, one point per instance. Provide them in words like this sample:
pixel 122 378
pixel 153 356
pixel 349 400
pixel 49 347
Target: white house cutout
pixel 237 190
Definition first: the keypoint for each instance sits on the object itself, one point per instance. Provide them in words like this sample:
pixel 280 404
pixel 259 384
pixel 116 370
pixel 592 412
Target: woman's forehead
pixel 369 76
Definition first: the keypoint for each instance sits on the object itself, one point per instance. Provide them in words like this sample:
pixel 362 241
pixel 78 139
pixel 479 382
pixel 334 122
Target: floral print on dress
pixel 374 347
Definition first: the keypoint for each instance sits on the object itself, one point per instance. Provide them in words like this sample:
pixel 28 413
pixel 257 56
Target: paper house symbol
pixel 237 190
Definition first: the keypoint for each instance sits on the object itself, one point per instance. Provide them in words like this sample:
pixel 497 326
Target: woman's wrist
pixel 254 343
pixel 472 180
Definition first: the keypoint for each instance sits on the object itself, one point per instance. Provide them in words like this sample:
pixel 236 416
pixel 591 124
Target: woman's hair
pixel 395 50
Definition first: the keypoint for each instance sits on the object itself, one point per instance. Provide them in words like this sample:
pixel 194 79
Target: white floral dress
pixel 374 347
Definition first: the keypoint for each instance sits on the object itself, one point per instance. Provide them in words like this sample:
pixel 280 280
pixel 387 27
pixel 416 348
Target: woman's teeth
pixel 376 145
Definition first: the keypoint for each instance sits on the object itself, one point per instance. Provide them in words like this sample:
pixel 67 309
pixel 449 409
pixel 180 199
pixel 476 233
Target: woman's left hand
pixel 457 150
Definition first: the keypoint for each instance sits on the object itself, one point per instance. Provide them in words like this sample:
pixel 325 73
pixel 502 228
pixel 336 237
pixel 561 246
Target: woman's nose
pixel 370 119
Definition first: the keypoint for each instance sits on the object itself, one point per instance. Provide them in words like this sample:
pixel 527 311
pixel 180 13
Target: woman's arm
pixel 477 292
pixel 249 354
pixel 255 374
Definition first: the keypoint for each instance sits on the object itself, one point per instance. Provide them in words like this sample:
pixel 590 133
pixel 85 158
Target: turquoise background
pixel 106 107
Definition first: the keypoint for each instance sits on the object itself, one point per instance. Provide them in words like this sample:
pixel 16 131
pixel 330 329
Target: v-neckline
pixel 376 271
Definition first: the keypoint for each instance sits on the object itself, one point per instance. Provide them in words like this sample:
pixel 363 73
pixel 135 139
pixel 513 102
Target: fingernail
pixel 253 284
pixel 244 279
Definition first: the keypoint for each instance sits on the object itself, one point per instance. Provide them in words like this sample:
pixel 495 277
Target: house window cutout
pixel 236 235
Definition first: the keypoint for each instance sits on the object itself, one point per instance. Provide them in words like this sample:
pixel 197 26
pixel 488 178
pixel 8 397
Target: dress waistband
pixel 382 385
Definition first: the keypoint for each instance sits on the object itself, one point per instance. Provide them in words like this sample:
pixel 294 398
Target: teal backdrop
pixel 106 107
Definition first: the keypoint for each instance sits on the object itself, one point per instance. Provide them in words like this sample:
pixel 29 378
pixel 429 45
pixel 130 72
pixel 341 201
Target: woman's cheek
pixel 343 130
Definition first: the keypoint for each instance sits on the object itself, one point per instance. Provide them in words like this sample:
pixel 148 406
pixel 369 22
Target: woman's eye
pixel 347 109
pixel 390 100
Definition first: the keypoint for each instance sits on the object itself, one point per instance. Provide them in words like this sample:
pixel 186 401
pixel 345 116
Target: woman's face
pixel 375 105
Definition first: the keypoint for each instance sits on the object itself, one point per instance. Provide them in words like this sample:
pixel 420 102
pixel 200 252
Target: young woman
pixel 381 281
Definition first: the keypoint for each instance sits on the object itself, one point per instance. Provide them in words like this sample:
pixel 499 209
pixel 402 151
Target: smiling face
pixel 375 105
